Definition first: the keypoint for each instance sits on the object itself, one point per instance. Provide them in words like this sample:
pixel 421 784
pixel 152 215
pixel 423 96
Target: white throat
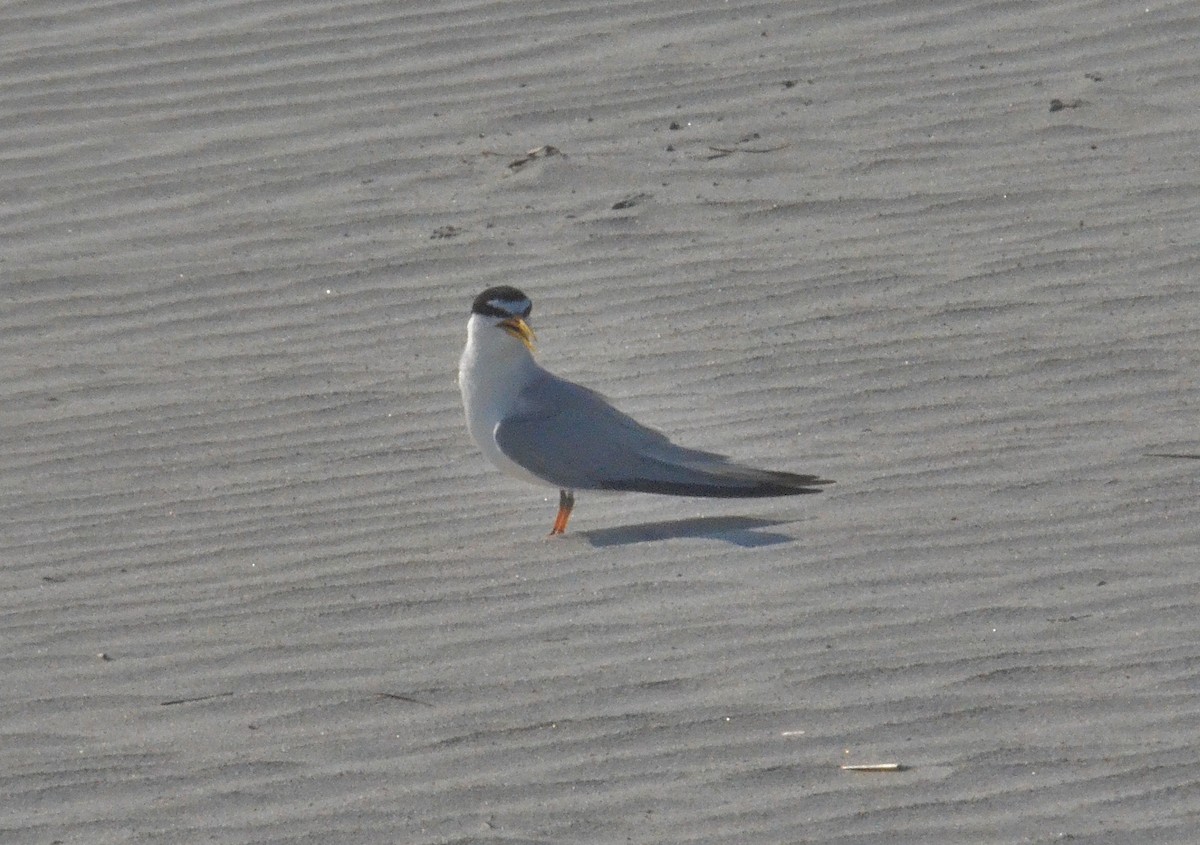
pixel 494 368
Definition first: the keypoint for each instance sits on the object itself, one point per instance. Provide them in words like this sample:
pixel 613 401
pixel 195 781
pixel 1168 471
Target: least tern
pixel 540 428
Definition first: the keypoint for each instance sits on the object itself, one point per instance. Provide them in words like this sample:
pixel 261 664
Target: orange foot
pixel 566 501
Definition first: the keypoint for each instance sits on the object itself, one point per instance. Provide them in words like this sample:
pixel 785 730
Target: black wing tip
pixel 725 488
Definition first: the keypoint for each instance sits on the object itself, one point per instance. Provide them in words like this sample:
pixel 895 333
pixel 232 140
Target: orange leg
pixel 566 501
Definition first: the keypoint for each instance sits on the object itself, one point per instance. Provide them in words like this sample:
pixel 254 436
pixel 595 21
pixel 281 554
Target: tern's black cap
pixel 502 301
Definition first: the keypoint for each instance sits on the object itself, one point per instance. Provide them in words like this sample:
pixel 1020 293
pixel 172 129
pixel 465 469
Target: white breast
pixel 491 373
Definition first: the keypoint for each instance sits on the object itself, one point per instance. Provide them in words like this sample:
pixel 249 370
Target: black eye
pixel 502 301
pixel 509 308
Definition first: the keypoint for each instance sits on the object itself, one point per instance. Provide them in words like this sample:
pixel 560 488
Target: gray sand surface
pixel 257 586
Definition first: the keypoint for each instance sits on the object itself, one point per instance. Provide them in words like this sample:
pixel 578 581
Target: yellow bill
pixel 519 329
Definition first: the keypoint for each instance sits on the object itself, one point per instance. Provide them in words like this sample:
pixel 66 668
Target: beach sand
pixel 257 585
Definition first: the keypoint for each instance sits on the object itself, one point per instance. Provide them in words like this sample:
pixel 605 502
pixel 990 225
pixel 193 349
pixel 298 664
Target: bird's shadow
pixel 744 531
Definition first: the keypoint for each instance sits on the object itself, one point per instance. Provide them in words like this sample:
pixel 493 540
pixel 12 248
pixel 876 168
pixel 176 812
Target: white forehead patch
pixel 512 306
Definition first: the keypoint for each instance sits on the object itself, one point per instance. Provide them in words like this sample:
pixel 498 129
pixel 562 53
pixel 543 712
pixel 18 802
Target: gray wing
pixel 574 438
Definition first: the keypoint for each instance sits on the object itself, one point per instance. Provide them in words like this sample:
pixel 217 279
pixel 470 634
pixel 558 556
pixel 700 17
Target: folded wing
pixel 574 438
